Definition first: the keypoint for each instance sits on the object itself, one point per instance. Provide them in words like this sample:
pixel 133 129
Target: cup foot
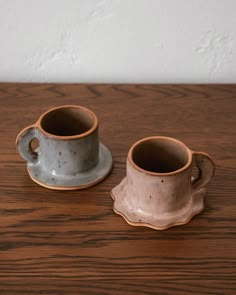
pixel 78 181
pixel 160 221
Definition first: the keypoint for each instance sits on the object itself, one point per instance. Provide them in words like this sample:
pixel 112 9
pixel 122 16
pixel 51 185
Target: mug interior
pixel 160 155
pixel 68 121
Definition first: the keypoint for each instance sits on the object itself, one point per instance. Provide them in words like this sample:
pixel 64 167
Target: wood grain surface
pixel 71 242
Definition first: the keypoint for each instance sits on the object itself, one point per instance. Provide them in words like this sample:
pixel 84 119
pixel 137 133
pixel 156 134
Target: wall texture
pixel 118 41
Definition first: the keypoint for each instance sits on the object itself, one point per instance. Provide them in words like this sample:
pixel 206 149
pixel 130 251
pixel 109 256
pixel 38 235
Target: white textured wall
pixel 118 40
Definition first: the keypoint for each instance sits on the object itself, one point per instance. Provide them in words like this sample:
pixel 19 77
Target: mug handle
pixel 206 168
pixel 23 143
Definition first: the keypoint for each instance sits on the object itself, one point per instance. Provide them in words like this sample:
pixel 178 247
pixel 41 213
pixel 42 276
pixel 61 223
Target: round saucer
pixel 159 222
pixel 79 181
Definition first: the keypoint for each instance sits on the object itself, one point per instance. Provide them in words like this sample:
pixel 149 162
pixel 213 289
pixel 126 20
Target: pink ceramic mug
pixel 159 190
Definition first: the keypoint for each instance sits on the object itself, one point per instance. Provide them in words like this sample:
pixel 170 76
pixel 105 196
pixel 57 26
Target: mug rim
pixel 65 137
pixel 185 167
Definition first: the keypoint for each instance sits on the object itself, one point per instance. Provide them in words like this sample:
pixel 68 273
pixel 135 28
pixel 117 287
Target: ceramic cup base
pixel 79 181
pixel 159 222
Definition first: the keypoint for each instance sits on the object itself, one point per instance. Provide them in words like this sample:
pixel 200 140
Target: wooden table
pixel 58 242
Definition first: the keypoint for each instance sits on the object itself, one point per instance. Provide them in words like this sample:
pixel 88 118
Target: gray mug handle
pixel 23 142
pixel 206 168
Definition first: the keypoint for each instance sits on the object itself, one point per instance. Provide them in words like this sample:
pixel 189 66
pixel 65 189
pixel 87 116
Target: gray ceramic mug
pixel 69 154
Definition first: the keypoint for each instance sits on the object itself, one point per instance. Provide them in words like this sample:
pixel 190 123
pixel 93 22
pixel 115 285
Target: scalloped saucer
pixel 159 222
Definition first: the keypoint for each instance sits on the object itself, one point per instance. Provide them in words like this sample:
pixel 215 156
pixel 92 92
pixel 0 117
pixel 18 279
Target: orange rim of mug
pixel 84 134
pixel 185 167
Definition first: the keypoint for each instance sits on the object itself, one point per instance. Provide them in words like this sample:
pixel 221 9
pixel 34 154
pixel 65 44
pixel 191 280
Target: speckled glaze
pixel 161 200
pixel 65 162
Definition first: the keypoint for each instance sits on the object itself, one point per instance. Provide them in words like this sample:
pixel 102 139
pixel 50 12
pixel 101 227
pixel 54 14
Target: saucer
pixel 79 181
pixel 160 221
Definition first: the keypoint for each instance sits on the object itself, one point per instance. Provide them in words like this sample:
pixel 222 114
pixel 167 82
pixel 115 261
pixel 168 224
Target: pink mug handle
pixel 206 168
